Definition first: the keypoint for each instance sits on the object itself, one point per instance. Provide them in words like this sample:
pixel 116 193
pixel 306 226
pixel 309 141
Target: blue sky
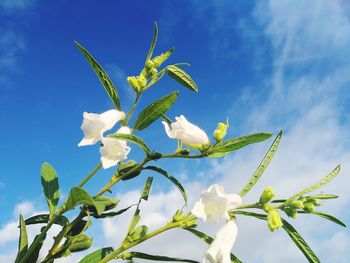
pixel 267 65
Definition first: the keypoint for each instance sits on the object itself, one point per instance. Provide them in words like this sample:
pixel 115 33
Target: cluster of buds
pixel 304 204
pixel 187 221
pixel 139 83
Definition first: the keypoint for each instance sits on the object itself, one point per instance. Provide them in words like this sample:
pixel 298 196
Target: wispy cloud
pixel 16 5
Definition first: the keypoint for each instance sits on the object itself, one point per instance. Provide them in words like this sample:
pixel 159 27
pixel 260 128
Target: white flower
pixel 214 204
pixel 220 249
pixel 187 132
pixel 113 151
pixel 94 125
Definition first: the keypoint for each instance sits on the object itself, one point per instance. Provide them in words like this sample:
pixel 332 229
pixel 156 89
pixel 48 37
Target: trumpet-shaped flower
pixel 187 132
pixel 94 125
pixel 220 249
pixel 113 150
pixel 215 204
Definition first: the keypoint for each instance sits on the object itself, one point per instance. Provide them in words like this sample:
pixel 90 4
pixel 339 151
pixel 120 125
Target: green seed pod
pixel 126 167
pixel 149 64
pixel 82 242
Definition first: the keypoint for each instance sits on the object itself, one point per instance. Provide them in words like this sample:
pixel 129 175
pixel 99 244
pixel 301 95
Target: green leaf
pixel 133 139
pixel 155 110
pixel 97 255
pixel 182 77
pixel 112 214
pixel 33 257
pixel 262 166
pixel 326 216
pixel 230 145
pixel 300 242
pixel 154 41
pixel 314 187
pixel 23 240
pixel 325 196
pixel 131 255
pixel 293 234
pixel 102 75
pixel 44 218
pixel 147 189
pixel 49 182
pixel 79 196
pixel 171 178
pixel 207 239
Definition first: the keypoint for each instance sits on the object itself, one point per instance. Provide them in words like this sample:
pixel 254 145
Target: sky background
pixel 267 65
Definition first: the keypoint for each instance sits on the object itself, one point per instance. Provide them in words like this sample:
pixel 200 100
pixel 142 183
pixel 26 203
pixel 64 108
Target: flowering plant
pixel 214 207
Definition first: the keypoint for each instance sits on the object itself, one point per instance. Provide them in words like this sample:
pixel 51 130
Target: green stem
pixel 55 247
pixel 88 177
pixel 254 205
pixel 179 155
pixel 168 226
pixel 132 109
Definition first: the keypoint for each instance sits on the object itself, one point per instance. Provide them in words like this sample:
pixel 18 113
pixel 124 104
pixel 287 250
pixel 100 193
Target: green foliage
pixel 171 178
pixel 328 217
pixel 316 186
pixel 79 196
pixel 147 189
pixel 44 218
pixel 97 255
pixel 262 166
pixel 49 182
pixel 102 75
pixel 225 147
pixel 154 111
pixel 182 77
pixel 132 255
pixel 154 42
pixel 23 240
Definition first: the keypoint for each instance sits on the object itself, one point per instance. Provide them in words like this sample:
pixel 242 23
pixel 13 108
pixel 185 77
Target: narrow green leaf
pixel 23 240
pixel 102 75
pixel 207 239
pixel 35 254
pixel 133 139
pixel 300 242
pixel 326 216
pixel 325 196
pixel 147 189
pixel 262 166
pixel 112 214
pixel 293 234
pixel 182 77
pixel 97 255
pixel 154 41
pixel 230 145
pixel 79 196
pixel 44 218
pixel 314 187
pixel 136 218
pixel 49 182
pixel 155 110
pixel 171 178
pixel 131 255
